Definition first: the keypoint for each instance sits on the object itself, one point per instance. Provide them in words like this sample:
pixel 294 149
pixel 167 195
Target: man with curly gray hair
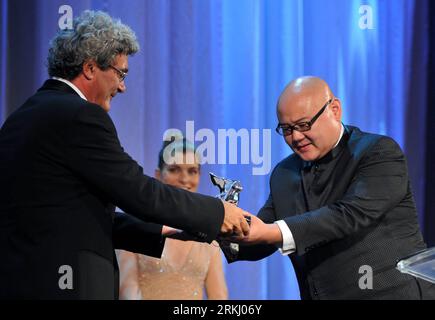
pixel 63 171
pixel 96 45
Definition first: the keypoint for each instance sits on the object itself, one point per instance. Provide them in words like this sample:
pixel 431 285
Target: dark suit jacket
pixel 62 170
pixel 352 208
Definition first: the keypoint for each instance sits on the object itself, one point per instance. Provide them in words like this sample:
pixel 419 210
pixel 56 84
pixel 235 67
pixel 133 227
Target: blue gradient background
pixel 223 63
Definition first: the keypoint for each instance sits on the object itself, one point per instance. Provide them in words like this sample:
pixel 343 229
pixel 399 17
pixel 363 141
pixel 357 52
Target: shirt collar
pixel 72 86
pixel 341 135
pixel 331 154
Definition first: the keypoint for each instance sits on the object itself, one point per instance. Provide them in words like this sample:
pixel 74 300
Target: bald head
pixel 303 100
pixel 307 91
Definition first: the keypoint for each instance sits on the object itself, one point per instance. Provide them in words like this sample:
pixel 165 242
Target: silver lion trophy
pixel 229 190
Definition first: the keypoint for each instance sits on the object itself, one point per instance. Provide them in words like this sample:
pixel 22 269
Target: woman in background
pixel 186 268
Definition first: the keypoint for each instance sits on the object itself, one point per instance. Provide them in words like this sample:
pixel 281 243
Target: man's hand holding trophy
pixel 260 232
pixel 229 191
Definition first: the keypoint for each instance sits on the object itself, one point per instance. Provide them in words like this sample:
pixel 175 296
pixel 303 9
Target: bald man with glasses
pixel 341 203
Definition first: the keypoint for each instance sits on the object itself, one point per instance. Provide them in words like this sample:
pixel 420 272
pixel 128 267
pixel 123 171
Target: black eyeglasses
pixel 286 129
pixel 121 74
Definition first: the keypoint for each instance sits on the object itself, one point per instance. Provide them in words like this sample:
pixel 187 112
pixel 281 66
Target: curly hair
pixel 94 36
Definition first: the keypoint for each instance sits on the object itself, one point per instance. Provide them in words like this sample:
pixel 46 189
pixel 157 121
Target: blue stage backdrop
pixel 222 64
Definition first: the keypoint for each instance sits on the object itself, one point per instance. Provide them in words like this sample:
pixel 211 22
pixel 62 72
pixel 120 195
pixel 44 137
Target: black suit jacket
pixel 351 209
pixel 62 171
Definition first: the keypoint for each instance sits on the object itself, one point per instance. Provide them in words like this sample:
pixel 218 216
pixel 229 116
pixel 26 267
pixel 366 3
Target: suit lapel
pixel 287 189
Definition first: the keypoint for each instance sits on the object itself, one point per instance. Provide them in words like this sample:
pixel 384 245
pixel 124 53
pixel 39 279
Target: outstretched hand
pixel 234 221
pixel 260 233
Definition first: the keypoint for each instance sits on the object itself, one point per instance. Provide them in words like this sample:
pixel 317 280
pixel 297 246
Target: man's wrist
pixel 274 235
pixel 287 245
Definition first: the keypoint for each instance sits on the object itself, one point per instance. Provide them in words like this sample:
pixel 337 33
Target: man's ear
pixel 89 69
pixel 336 109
